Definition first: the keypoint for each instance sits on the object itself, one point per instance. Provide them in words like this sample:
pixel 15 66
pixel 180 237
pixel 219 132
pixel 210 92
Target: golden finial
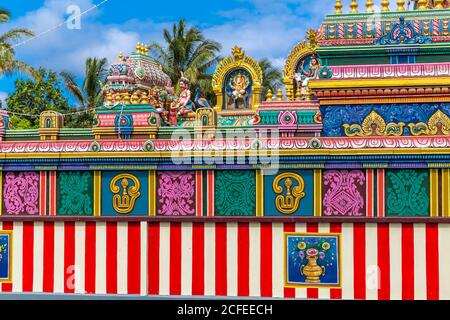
pixel 422 5
pixel 280 95
pixel 438 4
pixel 369 6
pixel 401 5
pixel 298 94
pixel 338 7
pixel 354 6
pixel 238 53
pixel 308 94
pixel 269 96
pixel 121 55
pixel 311 35
pixel 385 6
pixel 138 48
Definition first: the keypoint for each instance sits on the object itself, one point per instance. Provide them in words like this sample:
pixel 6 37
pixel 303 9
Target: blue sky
pixel 264 28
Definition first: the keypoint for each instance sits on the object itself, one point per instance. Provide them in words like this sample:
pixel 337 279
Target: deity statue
pixel 184 104
pixel 308 72
pixel 239 85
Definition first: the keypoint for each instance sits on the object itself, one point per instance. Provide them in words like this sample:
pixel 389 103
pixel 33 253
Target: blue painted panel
pixel 141 205
pixel 306 207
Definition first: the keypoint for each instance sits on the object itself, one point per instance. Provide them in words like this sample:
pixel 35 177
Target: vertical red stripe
pixel 289 292
pixel 359 258
pixel 432 247
pixel 153 258
pixel 7 287
pixel 199 193
pixel 89 257
pixel 336 293
pixel 384 262
pixel 52 193
pixel 28 256
pixel 49 257
pixel 243 259
pixel 312 293
pixel 266 259
pixel 175 259
pixel 43 193
pixel 134 258
pixel 210 193
pixel 408 261
pixel 380 203
pixel 369 195
pixel 69 257
pixel 221 259
pixel 198 259
pixel 111 257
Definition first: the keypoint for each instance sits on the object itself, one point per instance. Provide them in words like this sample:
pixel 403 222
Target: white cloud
pixel 3 96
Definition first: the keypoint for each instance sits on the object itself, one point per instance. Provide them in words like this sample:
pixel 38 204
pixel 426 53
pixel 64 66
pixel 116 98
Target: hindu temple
pixel 337 186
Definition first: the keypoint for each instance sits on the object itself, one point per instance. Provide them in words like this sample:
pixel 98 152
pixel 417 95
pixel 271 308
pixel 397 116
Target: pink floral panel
pixel 344 193
pixel 21 193
pixel 176 193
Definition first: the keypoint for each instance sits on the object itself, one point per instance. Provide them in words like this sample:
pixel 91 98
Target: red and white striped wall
pixel 379 261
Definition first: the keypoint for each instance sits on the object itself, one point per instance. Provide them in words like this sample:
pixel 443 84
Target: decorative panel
pixel 125 193
pixel 289 193
pixel 235 193
pixel 75 193
pixel 176 193
pixel 407 193
pixel 21 193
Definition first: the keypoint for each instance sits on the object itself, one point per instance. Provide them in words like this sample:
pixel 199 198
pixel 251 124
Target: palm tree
pixel 187 50
pixel 272 77
pixel 89 95
pixel 8 62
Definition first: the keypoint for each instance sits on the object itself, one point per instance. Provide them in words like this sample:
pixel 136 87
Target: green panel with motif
pixel 75 193
pixel 407 193
pixel 235 193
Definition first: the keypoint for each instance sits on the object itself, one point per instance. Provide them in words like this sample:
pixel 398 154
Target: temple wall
pixel 378 261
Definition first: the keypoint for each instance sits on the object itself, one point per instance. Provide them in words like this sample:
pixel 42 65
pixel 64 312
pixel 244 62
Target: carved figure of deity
pixel 307 71
pixel 239 85
pixel 184 104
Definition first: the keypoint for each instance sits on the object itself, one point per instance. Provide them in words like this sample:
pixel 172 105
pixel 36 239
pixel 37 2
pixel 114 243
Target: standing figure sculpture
pixel 184 104
pixel 306 73
pixel 239 85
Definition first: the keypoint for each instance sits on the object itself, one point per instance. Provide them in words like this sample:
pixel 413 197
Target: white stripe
pixel 186 259
pixel 372 270
pixel 300 293
pixel 278 260
pixel 210 259
pixel 17 257
pixel 255 260
pixel 80 249
pixel 122 258
pixel 164 259
pixel 100 258
pixel 444 261
pixel 232 250
pixel 395 253
pixel 347 265
pixel 143 257
pixel 420 266
pixel 324 293
pixel 59 258
pixel 38 257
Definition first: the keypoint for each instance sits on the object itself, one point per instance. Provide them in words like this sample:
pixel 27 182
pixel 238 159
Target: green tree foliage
pixel 272 77
pixel 89 95
pixel 187 50
pixel 33 96
pixel 8 62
